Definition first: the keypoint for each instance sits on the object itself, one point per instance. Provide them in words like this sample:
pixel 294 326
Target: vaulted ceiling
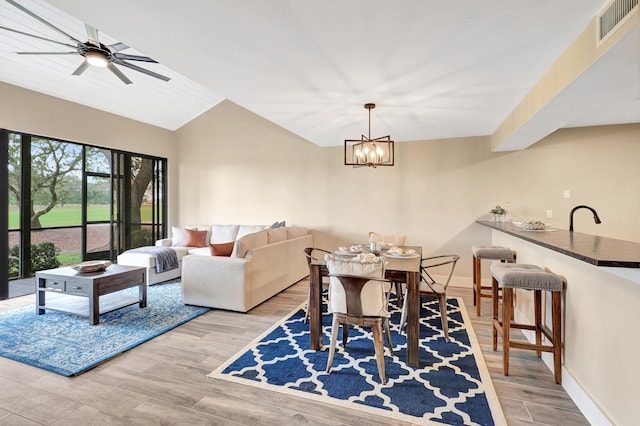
pixel 435 69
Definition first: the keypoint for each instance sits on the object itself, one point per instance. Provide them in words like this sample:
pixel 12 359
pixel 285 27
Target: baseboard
pixel 583 401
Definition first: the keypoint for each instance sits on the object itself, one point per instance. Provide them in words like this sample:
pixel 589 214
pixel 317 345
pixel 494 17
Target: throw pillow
pixel 222 249
pixel 195 238
pixel 277 224
pixel 178 237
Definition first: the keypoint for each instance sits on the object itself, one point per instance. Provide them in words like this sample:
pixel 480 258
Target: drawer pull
pixel 76 288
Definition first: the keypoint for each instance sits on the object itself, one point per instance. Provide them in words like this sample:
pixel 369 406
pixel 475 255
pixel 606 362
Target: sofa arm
pixel 165 242
pixel 216 282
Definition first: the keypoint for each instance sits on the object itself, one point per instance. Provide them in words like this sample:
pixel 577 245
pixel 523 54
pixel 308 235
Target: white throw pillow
pixel 374 301
pixel 224 233
pixel 178 237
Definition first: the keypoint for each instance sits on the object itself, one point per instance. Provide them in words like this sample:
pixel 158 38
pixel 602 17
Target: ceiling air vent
pixel 612 15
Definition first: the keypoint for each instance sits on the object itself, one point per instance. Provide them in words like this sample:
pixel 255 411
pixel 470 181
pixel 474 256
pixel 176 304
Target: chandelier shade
pixel 367 151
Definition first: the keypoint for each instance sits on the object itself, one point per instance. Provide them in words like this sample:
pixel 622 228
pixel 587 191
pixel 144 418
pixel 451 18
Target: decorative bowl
pixel 92 266
pixel 531 225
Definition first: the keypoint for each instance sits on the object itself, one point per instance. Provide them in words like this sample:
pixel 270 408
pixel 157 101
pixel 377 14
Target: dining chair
pixel 396 240
pixel 312 254
pixel 357 296
pixel 429 287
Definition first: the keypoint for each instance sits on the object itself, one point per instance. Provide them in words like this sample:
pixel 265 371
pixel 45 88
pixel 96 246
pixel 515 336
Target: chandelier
pixel 368 152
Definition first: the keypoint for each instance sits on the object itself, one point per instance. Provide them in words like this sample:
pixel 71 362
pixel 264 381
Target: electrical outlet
pixel 566 194
pixel 549 214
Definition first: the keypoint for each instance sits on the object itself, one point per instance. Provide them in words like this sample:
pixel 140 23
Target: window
pixel 68 202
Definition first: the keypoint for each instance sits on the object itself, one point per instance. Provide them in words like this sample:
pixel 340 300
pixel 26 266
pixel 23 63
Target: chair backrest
pixel 311 254
pixel 445 262
pixel 397 240
pixel 357 288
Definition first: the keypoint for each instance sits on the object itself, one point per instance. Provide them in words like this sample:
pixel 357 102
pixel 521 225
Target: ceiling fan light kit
pixel 96 59
pixel 367 151
pixel 93 52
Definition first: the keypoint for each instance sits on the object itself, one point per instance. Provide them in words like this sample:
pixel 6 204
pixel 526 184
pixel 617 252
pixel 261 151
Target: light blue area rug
pixel 452 386
pixel 68 344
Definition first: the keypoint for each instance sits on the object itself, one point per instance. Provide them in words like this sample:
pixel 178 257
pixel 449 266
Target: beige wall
pixel 232 166
pixel 31 112
pixel 237 167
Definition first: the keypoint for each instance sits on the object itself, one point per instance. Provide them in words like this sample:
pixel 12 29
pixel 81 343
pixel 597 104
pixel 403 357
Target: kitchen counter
pixel 593 249
pixel 600 306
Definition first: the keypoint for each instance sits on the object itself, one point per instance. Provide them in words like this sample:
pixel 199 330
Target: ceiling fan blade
pixel 38 37
pixel 126 57
pixel 118 46
pixel 92 33
pixel 47 53
pixel 83 66
pixel 42 20
pixel 142 70
pixel 118 73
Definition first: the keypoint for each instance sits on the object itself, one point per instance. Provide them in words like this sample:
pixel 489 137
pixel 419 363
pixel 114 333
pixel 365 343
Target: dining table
pixel 405 269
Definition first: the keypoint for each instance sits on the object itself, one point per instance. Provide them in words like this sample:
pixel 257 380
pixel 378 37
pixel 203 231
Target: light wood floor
pixel 164 381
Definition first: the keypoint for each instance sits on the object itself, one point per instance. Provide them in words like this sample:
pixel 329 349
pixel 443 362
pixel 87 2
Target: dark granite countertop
pixel 593 249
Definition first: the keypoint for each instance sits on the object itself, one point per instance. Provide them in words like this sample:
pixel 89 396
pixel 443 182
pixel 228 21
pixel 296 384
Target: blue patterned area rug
pixel 452 386
pixel 68 344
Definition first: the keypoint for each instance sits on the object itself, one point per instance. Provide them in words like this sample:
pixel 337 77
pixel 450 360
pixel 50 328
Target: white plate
pixel 401 256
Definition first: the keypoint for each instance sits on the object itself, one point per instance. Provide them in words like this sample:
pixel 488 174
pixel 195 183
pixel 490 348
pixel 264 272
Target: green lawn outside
pixel 70 215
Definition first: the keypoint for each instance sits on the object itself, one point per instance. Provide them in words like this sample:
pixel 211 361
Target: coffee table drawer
pixel 75 287
pixel 53 284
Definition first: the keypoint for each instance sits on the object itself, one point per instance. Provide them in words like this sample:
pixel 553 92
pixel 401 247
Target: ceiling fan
pixel 94 53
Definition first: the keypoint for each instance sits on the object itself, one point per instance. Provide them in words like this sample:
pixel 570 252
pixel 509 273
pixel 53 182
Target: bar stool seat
pixel 480 252
pixel 527 277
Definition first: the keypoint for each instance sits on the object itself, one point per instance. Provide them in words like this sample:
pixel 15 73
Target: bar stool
pixel 502 254
pixel 527 277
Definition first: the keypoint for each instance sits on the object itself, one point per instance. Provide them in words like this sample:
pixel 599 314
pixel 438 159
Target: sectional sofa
pixel 253 263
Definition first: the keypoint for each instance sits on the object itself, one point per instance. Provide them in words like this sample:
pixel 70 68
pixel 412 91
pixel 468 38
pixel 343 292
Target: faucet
pixel 596 219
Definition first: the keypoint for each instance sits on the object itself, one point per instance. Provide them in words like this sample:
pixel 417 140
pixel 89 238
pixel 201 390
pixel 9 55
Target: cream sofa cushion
pixel 224 233
pixel 200 251
pixel 248 242
pixel 296 231
pixel 276 235
pixel 249 229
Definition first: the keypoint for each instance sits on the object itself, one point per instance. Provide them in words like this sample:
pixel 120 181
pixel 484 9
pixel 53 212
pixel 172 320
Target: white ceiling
pixel 436 69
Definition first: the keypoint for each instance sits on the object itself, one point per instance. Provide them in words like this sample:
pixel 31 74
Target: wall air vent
pixel 612 15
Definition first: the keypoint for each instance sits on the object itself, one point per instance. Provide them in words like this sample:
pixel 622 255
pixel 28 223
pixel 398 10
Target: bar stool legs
pixel 502 254
pixel 528 277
